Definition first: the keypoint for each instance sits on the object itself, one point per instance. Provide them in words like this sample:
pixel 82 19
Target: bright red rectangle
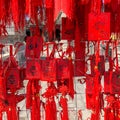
pixel 29 51
pixel 63 71
pixel 33 69
pixel 13 78
pixel 34 46
pixel 99 26
pixel 48 72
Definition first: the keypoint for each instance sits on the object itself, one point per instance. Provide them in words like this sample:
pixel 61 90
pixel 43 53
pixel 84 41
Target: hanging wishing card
pixel 99 26
pixel 33 69
pixel 13 78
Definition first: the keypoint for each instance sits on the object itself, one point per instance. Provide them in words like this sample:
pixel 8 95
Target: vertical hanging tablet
pixel 68 29
pixel 13 78
pixel 63 71
pixel 33 69
pixel 115 83
pixel 99 26
pixel 49 70
pixel 29 52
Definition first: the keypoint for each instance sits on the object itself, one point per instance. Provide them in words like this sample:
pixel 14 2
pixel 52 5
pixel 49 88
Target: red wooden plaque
pixel 99 26
pixel 33 69
pixel 115 83
pixel 48 70
pixel 63 71
pixel 38 46
pixel 68 29
pixel 13 78
pixel 29 52
pixel 34 46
